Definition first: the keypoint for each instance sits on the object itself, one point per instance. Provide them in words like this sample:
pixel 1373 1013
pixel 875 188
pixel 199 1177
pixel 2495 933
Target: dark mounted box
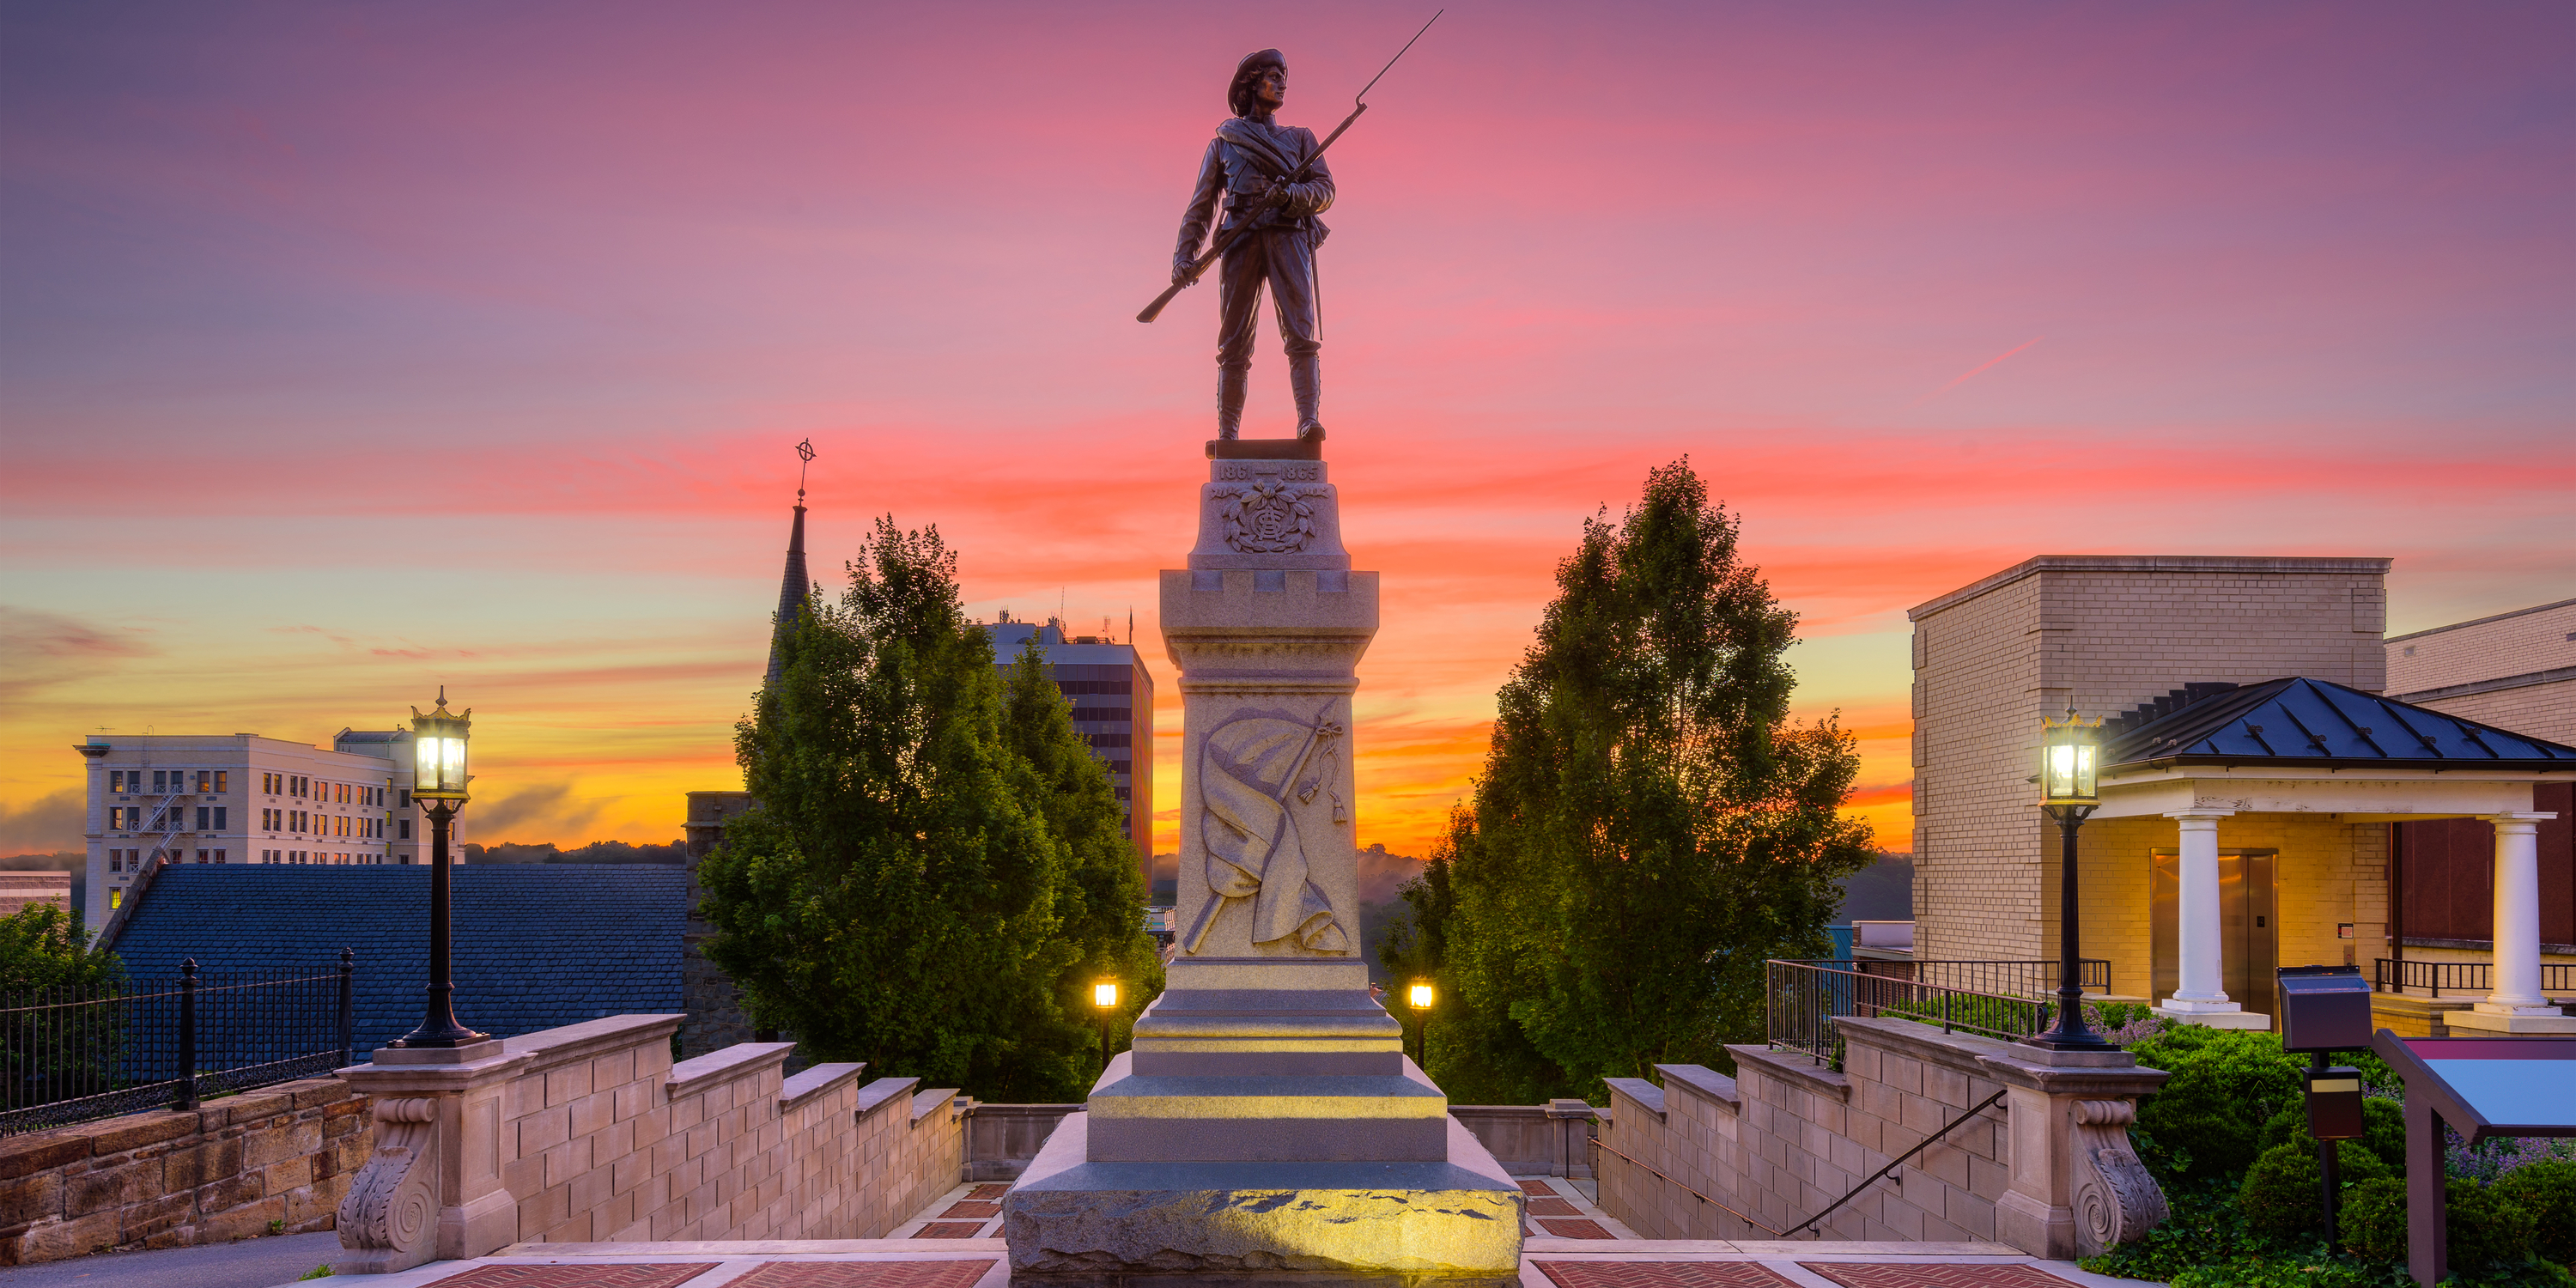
pixel 2334 1103
pixel 2324 1008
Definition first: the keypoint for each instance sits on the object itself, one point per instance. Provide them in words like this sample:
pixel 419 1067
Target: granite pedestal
pixel 1266 1127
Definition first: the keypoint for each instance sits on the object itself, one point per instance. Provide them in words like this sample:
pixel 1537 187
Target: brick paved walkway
pixel 955 1242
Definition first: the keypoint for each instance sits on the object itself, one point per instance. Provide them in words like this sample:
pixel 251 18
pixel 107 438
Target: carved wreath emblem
pixel 1266 517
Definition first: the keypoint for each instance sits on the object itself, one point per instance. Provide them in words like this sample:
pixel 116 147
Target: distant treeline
pixel 595 852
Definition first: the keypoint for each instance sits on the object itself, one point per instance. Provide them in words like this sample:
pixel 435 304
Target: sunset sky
pixel 355 349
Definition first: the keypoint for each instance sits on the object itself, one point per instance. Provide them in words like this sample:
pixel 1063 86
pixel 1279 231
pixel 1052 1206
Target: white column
pixel 2516 1005
pixel 2201 996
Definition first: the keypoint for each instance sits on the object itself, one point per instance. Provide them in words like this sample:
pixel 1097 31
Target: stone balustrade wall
pixel 589 1133
pixel 1001 1139
pixel 2047 1168
pixel 1553 1139
pixel 279 1157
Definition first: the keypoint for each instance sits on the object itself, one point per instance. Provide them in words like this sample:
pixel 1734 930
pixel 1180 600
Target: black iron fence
pixel 71 1055
pixel 2000 999
pixel 2396 976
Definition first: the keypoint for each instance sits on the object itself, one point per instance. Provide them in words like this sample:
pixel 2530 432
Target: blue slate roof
pixel 537 945
pixel 2324 725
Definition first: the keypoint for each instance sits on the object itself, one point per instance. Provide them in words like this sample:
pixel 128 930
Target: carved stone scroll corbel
pixel 2116 1201
pixel 389 1221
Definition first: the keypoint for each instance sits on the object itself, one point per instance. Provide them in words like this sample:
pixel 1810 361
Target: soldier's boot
pixel 1230 382
pixel 1306 378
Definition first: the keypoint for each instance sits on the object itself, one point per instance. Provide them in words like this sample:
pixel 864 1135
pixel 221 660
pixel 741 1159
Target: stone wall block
pixel 39 1152
pixel 112 1186
pixel 245 1222
pixel 72 1237
pixel 566 1161
pixel 522 1097
pixel 592 1190
pixel 134 1131
pixel 266 1146
pixel 31 1198
pixel 592 1112
pixel 613 1069
pixel 231 1191
pixel 545 1129
pixel 248 1108
pixel 203 1164
pixel 158 1215
pixel 286 1174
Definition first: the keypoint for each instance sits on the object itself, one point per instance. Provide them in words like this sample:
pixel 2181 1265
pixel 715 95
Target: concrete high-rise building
pixel 241 799
pixel 1113 709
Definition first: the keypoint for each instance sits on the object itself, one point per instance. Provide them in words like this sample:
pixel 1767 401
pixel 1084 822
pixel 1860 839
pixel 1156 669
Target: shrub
pixel 2370 1223
pixel 2278 1272
pixel 2280 1192
pixel 2206 1122
pixel 2383 1126
pixel 2383 1131
pixel 2484 1228
pixel 2546 1191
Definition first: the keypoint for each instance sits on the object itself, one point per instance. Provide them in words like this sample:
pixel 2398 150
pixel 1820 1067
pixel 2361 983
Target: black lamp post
pixel 1104 998
pixel 2070 759
pixel 1420 995
pixel 439 778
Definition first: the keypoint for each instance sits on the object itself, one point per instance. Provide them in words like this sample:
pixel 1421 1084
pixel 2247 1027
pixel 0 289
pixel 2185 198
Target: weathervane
pixel 804 457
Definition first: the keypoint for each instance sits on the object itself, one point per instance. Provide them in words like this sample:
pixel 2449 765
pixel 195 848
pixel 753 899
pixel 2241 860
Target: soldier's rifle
pixel 1218 246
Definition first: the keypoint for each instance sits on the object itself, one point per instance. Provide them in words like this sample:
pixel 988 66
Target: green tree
pixel 45 957
pixel 899 896
pixel 41 946
pixel 1103 897
pixel 1650 826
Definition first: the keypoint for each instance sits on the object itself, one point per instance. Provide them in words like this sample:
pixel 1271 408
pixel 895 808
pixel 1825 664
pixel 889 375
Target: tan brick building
pixel 2516 670
pixel 2105 632
pixel 2209 863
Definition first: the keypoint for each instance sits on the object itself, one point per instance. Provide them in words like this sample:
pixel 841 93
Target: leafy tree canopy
pixel 935 865
pixel 1649 828
pixel 41 946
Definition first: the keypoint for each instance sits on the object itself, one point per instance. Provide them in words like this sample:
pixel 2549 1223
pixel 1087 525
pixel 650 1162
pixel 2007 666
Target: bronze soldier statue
pixel 1274 183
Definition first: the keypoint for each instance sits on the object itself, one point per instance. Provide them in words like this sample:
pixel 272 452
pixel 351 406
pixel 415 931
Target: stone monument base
pixel 1079 1224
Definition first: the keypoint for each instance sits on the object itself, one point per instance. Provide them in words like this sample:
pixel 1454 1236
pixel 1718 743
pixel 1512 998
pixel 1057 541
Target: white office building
pixel 244 799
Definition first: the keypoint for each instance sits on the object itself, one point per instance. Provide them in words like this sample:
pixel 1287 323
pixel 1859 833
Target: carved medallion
pixel 1267 517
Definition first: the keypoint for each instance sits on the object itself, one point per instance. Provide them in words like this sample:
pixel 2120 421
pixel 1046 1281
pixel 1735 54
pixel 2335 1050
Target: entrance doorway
pixel 2249 925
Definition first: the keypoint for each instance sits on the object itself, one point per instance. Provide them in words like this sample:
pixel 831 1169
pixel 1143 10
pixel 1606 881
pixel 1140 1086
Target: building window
pixel 223 818
pixel 219 856
pixel 116 780
pixel 406 798
pixel 204 817
pixel 116 860
pixel 406 829
pixel 115 900
pixel 223 780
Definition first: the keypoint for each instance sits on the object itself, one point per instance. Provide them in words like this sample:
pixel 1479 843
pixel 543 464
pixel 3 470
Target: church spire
pixel 794 585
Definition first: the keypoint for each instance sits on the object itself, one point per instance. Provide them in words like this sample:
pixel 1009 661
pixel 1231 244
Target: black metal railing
pixel 70 1055
pixel 2396 976
pixel 2000 999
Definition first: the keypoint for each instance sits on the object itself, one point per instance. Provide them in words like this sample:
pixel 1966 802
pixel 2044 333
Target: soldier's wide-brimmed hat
pixel 1238 96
